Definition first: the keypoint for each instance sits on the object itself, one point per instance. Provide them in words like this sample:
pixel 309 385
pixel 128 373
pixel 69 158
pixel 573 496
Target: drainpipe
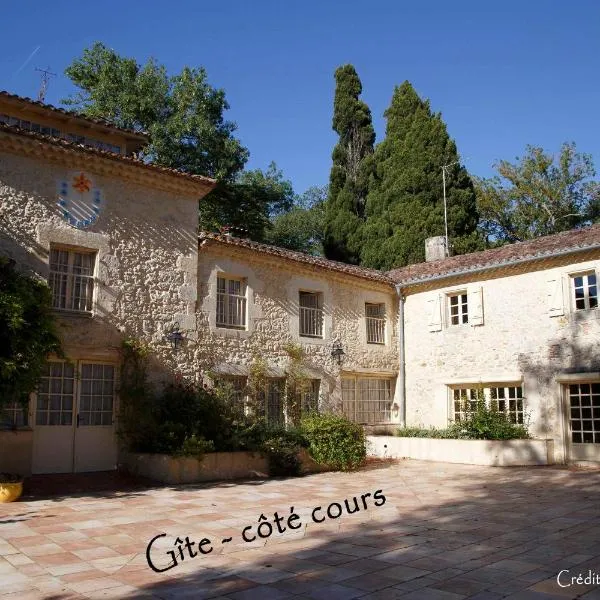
pixel 402 356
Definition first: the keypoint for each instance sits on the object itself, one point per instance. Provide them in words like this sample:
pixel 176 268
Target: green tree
pixel 27 332
pixel 539 195
pixel 302 227
pixel 405 201
pixel 350 172
pixel 182 113
pixel 249 203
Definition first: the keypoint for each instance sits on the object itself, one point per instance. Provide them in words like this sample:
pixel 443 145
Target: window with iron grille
pixel 367 399
pixel 507 399
pixel 585 291
pixel 375 317
pixel 458 308
pixel 234 386
pixel 274 397
pixel 308 396
pixel 231 303
pixel 13 416
pixel 311 314
pixel 72 279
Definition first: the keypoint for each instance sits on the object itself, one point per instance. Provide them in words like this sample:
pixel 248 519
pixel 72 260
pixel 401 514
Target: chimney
pixel 435 248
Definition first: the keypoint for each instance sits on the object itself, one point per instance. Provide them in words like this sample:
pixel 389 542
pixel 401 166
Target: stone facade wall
pixel 145 241
pixel 272 296
pixel 530 333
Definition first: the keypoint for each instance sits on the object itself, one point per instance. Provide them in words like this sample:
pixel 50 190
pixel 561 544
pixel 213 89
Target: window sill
pixel 24 429
pixel 376 343
pixel 72 313
pixel 232 327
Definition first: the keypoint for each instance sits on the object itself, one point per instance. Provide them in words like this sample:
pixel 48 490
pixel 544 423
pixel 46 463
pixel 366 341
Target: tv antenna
pixel 46 75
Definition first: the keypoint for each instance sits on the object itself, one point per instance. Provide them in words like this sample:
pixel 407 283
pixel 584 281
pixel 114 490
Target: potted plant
pixel 28 336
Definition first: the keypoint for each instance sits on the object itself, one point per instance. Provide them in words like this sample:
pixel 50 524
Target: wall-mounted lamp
pixel 175 337
pixel 337 352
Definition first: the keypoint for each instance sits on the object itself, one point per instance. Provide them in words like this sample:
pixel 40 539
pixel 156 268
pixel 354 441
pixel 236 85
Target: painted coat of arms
pixel 79 200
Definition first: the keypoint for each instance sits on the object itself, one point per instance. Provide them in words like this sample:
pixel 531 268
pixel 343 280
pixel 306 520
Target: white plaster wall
pixel 518 341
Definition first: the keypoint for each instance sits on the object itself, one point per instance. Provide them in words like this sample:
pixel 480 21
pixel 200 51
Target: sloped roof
pixel 539 248
pixel 299 257
pixel 74 115
pixel 205 182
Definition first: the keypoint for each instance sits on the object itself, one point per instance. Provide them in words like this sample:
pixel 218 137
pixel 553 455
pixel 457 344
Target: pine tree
pixel 405 201
pixel 350 172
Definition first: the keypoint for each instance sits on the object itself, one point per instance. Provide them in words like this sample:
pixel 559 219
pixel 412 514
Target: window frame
pixel 317 312
pixel 55 279
pixel 357 379
pixel 241 298
pixel 378 323
pixel 488 388
pixel 587 299
pixel 462 307
pixel 10 417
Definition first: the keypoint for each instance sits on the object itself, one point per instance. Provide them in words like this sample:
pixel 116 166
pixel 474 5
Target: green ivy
pixel 27 331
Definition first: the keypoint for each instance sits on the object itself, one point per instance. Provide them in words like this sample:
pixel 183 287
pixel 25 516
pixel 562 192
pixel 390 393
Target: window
pixel 72 279
pixel 459 308
pixel 92 384
pixel 585 291
pixel 55 395
pixel 13 415
pixel 375 317
pixel 274 395
pixel 584 404
pixel 308 396
pixel 231 303
pixel 367 399
pixel 233 386
pixel 96 395
pixel 311 314
pixel 506 399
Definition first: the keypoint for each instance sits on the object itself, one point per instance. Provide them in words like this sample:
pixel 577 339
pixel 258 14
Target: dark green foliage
pixel 27 333
pixel 479 423
pixel 282 448
pixel 248 203
pixel 302 227
pixel 351 169
pixel 182 113
pixel 405 201
pixel 334 440
pixel 539 195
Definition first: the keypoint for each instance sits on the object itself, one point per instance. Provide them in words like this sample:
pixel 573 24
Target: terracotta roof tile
pixel 70 113
pixel 74 147
pixel 547 246
pixel 300 257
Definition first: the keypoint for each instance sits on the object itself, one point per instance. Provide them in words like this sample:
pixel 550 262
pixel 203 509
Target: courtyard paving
pixel 444 532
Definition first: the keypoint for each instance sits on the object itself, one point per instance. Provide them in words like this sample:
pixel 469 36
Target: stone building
pixel 118 242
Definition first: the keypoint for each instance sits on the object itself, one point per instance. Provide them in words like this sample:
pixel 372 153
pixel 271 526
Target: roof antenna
pixel 46 75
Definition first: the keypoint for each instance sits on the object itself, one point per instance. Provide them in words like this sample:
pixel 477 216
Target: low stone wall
pixel 15 451
pixel 505 453
pixel 213 466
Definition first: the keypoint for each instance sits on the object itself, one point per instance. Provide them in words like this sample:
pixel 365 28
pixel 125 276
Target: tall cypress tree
pixel 405 203
pixel 350 172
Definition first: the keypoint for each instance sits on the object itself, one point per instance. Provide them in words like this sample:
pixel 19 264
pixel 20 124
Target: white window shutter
pixel 476 306
pixel 556 305
pixel 435 314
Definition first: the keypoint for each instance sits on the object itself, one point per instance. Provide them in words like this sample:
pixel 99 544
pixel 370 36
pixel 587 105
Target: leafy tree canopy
pixel 182 113
pixel 538 195
pixel 301 228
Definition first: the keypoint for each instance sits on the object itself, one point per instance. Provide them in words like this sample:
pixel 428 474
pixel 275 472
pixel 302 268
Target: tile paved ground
pixel 444 532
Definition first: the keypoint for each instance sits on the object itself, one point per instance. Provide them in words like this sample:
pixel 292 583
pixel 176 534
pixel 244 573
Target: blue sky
pixel 503 74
